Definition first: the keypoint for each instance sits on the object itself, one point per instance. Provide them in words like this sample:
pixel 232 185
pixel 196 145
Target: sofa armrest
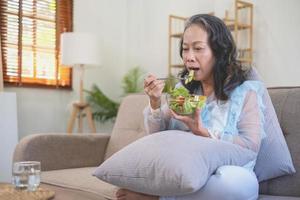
pixel 62 151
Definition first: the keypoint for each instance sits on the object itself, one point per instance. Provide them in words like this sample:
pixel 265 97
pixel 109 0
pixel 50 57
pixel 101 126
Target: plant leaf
pixel 103 108
pixel 132 82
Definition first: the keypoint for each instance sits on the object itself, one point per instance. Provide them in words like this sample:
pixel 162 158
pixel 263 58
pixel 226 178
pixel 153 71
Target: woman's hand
pixel 194 123
pixel 153 88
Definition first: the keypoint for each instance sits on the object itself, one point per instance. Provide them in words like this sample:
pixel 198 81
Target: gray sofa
pixel 68 160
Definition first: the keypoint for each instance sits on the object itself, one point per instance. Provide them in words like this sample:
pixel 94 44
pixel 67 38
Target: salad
pixel 183 103
pixel 190 76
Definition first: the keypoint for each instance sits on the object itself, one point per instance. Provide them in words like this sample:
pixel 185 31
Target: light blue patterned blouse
pixel 235 105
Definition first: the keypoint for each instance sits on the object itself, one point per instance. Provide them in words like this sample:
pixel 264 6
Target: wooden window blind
pixel 30 39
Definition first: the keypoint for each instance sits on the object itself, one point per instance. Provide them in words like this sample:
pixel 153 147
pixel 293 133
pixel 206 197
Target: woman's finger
pixel 160 86
pixel 197 116
pixel 155 84
pixel 149 79
pixel 184 119
pixel 155 89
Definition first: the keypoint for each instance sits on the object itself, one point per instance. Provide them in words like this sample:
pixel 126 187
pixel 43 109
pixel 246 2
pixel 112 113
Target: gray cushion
pixel 287 104
pixel 267 197
pixel 274 158
pixel 170 163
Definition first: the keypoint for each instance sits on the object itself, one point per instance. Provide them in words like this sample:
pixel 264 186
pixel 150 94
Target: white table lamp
pixel 80 50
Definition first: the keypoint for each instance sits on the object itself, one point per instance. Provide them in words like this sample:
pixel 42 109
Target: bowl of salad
pixel 183 103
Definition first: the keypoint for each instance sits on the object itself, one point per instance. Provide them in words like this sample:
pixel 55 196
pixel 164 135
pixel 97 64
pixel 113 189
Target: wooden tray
pixel 8 192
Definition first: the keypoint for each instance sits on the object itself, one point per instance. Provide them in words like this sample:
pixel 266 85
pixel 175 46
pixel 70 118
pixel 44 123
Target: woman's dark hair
pixel 228 73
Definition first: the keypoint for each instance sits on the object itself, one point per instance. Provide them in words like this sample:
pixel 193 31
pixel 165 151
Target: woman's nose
pixel 190 56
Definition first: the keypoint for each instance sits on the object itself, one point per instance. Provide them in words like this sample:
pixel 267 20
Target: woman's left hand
pixel 193 122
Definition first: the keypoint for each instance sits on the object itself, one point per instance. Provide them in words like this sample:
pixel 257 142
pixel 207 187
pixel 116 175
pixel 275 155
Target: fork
pixel 178 78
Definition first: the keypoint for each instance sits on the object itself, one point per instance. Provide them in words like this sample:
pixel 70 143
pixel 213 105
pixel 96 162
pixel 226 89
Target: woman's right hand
pixel 153 88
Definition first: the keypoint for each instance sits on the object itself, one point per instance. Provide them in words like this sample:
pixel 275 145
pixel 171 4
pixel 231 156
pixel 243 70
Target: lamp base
pixel 80 109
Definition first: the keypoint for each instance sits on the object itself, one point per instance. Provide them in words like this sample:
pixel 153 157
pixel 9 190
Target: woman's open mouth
pixel 193 68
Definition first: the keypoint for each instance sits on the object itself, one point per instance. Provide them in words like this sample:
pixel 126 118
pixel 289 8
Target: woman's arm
pixel 154 113
pixel 156 120
pixel 249 124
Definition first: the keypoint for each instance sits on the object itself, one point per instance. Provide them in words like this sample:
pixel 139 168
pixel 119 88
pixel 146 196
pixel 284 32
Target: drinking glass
pixel 26 175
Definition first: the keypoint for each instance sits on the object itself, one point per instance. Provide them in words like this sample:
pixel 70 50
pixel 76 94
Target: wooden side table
pixel 8 192
pixel 81 108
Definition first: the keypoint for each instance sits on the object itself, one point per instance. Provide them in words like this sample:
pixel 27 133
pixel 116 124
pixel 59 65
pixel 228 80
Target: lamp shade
pixel 79 49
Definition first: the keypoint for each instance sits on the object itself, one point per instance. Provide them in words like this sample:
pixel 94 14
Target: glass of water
pixel 26 175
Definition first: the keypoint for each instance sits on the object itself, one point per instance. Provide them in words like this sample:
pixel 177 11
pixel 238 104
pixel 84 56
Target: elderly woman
pixel 233 110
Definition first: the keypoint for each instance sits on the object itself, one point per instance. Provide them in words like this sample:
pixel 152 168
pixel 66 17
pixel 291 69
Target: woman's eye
pixel 185 49
pixel 199 48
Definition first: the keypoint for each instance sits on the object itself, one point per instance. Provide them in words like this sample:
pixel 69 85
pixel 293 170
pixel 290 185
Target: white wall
pixel 276 35
pixel 108 20
pixel 277 41
pixel 42 110
pixel 147 33
pixel 8 133
pixel 135 32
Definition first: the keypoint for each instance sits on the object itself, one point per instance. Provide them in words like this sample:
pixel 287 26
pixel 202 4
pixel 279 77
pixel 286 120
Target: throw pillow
pixel 274 158
pixel 170 163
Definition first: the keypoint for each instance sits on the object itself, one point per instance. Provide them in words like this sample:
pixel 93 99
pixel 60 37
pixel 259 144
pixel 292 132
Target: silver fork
pixel 178 78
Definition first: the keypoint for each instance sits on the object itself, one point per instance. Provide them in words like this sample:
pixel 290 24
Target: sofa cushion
pixel 79 179
pixel 129 124
pixel 274 158
pixel 287 105
pixel 184 167
pixel 268 197
pixel 63 193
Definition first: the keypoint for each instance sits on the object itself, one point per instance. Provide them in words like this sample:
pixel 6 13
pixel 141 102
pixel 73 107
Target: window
pixel 30 39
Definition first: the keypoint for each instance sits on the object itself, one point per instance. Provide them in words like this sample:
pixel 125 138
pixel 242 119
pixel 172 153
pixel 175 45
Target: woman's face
pixel 197 53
